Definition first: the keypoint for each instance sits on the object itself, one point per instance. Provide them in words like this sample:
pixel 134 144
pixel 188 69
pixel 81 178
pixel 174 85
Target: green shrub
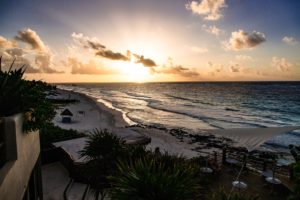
pixel 50 133
pixel 155 177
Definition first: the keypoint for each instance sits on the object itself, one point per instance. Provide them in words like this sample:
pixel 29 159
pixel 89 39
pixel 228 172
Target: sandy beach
pixel 90 113
pixel 98 116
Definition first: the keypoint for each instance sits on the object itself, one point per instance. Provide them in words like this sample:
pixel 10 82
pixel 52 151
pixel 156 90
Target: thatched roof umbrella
pixel 66 116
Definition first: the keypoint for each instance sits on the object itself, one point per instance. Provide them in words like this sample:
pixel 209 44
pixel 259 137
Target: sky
pixel 152 41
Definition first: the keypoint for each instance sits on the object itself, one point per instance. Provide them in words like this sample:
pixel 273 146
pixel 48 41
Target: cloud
pixel 211 9
pixel 147 62
pixel 243 58
pixel 38 59
pixel 91 67
pixel 4 43
pixel 170 68
pixel 235 68
pixel 289 40
pixel 87 42
pixel 199 49
pixel 112 55
pixel 212 30
pixel 215 68
pixel 281 64
pixel 98 48
pixel 31 38
pixel 241 40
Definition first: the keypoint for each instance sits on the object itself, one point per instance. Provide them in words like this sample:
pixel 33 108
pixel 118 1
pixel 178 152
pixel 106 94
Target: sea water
pixel 204 105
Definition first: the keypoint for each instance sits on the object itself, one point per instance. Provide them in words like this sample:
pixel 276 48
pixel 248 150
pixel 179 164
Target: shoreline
pixel 174 141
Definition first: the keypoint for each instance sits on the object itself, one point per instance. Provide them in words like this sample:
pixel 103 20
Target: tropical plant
pixel 155 177
pixel 102 150
pixel 10 90
pixel 103 146
pixel 28 97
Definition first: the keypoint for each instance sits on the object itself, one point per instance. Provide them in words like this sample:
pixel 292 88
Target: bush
pixel 155 177
pixel 50 133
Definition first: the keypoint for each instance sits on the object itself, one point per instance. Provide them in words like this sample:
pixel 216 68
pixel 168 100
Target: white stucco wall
pixel 15 174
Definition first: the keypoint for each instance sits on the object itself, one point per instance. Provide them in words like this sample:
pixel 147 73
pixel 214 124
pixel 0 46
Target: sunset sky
pixel 152 40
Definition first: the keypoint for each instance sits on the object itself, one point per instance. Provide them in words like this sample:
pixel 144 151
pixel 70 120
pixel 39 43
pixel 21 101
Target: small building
pixel 66 116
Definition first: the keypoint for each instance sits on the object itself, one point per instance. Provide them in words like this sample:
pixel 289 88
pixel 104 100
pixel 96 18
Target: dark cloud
pixel 242 40
pixel 95 45
pixel 112 55
pixel 147 62
pixel 101 50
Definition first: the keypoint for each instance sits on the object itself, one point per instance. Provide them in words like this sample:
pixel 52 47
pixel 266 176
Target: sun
pixel 134 72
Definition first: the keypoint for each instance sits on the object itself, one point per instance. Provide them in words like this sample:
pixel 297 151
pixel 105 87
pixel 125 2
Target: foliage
pixel 103 145
pixel 28 97
pixel 102 150
pixel 155 177
pixel 222 195
pixel 10 90
pixel 50 133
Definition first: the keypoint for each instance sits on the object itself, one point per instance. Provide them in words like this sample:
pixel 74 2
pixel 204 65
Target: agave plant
pixel 154 177
pixel 103 146
pixel 102 151
pixel 10 90
pixel 28 97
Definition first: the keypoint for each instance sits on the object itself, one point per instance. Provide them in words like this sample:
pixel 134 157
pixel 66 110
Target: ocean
pixel 204 105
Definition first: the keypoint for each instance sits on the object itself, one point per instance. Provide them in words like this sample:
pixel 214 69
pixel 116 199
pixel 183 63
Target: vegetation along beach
pixel 149 100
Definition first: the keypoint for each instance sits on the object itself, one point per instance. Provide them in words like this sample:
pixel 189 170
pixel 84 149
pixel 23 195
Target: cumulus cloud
pixel 212 30
pixel 199 49
pixel 211 9
pixel 91 67
pixel 5 43
pixel 281 64
pixel 241 40
pixel 289 40
pixel 31 38
pixel 41 56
